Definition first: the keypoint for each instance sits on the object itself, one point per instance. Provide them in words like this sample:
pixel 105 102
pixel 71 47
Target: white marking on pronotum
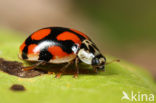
pixel 85 56
pixel 43 45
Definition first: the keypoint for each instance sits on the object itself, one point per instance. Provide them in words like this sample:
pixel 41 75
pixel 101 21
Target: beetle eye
pixel 95 61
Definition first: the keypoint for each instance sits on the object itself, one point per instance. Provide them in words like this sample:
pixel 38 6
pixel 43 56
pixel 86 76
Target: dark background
pixel 122 28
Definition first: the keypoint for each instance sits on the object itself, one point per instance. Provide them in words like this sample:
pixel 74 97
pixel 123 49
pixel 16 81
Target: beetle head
pixel 98 62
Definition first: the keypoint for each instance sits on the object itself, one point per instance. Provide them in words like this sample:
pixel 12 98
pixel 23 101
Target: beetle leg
pixel 95 69
pixel 34 66
pixel 63 69
pixel 50 73
pixel 77 68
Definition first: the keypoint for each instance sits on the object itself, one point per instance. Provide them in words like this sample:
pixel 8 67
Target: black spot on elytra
pixel 24 53
pixel 24 56
pixel 67 46
pixel 28 42
pixel 45 55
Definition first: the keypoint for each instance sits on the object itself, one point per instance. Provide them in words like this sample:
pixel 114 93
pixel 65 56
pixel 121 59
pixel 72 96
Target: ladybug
pixel 61 45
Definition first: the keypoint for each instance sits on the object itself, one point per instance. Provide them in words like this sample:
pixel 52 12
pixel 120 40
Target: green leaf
pixel 105 87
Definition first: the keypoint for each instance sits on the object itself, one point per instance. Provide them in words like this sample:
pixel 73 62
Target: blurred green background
pixel 121 28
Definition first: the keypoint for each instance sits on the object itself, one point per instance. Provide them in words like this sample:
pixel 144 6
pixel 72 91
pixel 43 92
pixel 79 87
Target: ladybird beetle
pixel 61 45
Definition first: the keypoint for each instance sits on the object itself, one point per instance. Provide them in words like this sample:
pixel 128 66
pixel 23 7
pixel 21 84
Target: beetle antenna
pixel 116 60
